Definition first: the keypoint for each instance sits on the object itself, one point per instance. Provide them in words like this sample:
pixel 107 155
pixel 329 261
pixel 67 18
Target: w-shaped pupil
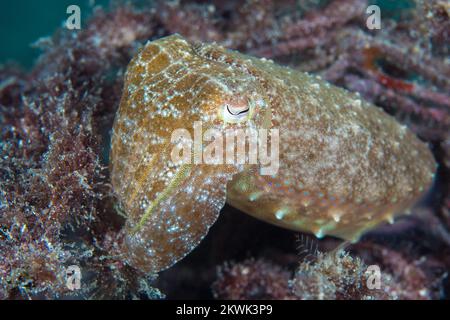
pixel 236 114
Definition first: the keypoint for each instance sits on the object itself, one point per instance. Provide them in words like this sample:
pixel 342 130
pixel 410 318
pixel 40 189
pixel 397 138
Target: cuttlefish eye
pixel 234 114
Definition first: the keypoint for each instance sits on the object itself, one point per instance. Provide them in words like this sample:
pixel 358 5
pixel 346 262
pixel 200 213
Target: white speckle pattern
pixel 345 165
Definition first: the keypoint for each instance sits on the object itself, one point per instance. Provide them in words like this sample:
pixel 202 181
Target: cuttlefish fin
pixel 178 219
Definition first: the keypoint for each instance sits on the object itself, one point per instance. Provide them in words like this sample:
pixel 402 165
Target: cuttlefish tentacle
pixel 344 165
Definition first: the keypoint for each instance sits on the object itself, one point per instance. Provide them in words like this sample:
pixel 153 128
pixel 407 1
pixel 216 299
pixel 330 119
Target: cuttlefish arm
pixel 344 165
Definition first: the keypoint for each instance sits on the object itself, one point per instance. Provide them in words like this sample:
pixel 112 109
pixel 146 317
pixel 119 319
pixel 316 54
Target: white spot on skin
pixel 281 213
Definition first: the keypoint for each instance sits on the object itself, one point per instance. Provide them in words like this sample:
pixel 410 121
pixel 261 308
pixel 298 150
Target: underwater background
pixel 58 99
pixel 23 22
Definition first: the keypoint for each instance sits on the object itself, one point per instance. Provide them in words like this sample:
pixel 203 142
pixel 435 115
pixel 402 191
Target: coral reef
pixel 56 204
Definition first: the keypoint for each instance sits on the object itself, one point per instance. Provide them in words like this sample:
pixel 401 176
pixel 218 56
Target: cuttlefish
pixel 343 165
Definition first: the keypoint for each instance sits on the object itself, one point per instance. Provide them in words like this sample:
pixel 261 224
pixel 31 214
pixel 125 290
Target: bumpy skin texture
pixel 344 164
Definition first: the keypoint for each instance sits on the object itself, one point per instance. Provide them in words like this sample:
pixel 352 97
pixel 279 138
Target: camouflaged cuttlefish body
pixel 343 164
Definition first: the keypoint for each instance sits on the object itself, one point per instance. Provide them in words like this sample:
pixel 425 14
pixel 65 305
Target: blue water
pixel 22 22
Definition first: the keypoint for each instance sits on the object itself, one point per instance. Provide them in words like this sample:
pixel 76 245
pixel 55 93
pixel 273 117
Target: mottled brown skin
pixel 345 165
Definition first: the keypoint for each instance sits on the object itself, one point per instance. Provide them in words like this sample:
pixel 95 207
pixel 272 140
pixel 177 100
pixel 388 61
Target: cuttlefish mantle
pixel 344 165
